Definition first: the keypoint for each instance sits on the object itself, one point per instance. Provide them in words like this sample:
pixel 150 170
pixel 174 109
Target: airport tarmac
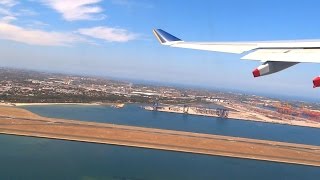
pixel 17 121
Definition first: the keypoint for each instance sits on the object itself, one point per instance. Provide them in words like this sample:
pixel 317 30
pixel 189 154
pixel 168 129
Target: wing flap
pixel 217 47
pixel 285 55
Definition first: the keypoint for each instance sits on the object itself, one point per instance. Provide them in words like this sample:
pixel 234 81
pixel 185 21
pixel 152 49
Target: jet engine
pixel 270 67
pixel 316 82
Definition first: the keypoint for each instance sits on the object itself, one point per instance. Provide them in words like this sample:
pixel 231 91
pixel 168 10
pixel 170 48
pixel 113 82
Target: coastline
pixel 238 114
pixel 117 105
pixel 20 122
pixel 50 104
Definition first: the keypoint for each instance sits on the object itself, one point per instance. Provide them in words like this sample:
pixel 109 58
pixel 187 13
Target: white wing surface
pixel 275 55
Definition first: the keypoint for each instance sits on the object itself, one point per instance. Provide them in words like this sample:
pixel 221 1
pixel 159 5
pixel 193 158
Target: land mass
pixel 17 121
pixel 19 87
pixel 237 112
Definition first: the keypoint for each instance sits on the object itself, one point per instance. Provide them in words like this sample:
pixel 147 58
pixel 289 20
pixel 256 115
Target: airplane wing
pixel 275 55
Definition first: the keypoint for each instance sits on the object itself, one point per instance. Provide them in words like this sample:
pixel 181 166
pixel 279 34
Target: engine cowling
pixel 316 82
pixel 270 67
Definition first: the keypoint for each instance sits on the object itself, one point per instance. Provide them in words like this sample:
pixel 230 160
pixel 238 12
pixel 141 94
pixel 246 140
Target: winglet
pixel 164 37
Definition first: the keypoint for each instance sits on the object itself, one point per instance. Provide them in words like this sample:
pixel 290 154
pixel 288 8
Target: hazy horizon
pixel 178 85
pixel 114 38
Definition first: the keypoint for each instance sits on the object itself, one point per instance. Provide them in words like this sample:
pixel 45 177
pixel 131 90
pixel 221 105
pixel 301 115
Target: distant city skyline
pixel 113 38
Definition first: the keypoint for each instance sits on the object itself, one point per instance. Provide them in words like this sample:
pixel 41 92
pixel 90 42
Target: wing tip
pixel 164 37
pixel 158 36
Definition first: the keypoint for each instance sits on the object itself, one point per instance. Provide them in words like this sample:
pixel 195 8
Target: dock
pixel 20 122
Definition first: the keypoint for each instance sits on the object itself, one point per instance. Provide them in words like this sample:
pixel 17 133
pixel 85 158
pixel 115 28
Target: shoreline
pixel 237 115
pixel 20 122
pixel 117 105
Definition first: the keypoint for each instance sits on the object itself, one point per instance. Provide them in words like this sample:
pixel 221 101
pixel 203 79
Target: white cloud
pixel 6 7
pixel 8 3
pixel 26 12
pixel 36 37
pixel 37 24
pixel 109 34
pixel 7 19
pixel 5 11
pixel 72 10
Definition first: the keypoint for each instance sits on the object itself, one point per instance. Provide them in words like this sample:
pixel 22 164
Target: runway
pixel 16 121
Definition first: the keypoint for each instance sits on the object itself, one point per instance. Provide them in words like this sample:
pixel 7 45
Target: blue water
pixel 35 158
pixel 136 116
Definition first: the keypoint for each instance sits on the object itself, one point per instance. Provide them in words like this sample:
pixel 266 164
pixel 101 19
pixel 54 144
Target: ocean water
pixel 36 158
pixel 136 116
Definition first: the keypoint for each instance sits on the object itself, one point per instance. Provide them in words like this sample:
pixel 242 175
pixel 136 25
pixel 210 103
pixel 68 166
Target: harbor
pixel 235 111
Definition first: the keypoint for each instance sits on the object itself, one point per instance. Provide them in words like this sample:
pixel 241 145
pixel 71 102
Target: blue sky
pixel 114 38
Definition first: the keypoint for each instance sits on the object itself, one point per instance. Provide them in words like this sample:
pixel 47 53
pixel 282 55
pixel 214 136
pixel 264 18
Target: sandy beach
pixel 117 105
pixel 48 104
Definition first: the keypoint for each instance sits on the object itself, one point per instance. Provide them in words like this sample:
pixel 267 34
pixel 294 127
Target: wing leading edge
pixel 170 40
pixel 276 55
